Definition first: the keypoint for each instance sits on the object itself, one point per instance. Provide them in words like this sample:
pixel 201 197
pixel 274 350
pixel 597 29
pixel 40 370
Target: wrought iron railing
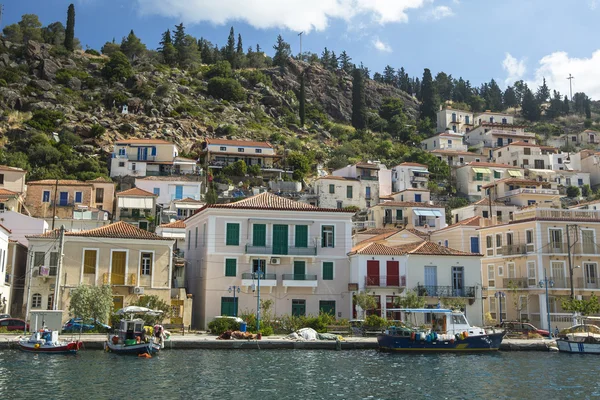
pixel 299 277
pixel 254 275
pixel 385 281
pixel 445 291
pixel 292 251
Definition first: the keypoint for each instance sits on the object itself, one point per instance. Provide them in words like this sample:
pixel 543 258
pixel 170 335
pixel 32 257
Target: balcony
pixel 445 291
pixel 399 221
pixel 588 283
pixel 556 213
pixel 267 280
pixel 363 225
pixel 513 249
pixel 290 251
pixel 419 179
pixel 518 283
pixel 299 280
pixel 530 191
pixel 367 178
pixel 483 179
pixel 385 281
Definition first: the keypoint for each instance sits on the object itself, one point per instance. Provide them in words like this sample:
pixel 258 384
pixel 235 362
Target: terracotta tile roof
pixel 377 238
pixel 64 182
pixel 423 247
pixel 6 192
pixel 174 224
pixel 188 200
pixel 117 230
pixel 473 221
pixel 456 152
pixel 226 142
pixel 407 204
pixel 587 203
pixel 142 141
pixel 410 190
pixel 412 164
pixel 137 192
pixel 7 168
pixel 378 231
pixel 488 164
pixel 376 249
pixel 336 178
pixel 417 232
pixel 486 202
pixel 515 181
pixel 269 201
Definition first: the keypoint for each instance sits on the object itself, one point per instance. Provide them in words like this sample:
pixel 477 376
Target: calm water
pixel 300 374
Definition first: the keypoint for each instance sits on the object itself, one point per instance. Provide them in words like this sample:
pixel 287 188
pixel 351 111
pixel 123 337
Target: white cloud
pixel 381 46
pixel 593 4
pixel 439 12
pixel 515 69
pixel 296 15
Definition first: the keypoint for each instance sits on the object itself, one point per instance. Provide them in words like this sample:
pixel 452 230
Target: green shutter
pixel 327 271
pixel 327 307
pixel 332 235
pixel 280 239
pixel 496 175
pixel 233 235
pixel 229 306
pixel 259 235
pixel 398 215
pixel 301 236
pixel 230 267
pixel 349 192
pixel 331 189
pixel 299 270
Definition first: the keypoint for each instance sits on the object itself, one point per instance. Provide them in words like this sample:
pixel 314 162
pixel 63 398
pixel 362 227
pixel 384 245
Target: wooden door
pixel 372 273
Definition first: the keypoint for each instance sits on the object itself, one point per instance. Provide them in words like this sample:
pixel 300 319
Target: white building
pixel 444 141
pixel 149 157
pixel 494 118
pixel 5 278
pixel 481 208
pixel 341 192
pixel 409 175
pixel 369 171
pixel 471 178
pixel 525 155
pixel 459 121
pixel 22 225
pixel 522 192
pixel 170 188
pixel 488 136
pixel 137 207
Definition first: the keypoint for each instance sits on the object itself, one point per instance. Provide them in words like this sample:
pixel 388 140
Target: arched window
pixel 36 300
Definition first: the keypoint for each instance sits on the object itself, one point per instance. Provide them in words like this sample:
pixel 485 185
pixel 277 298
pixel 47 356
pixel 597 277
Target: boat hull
pixel 67 348
pixel 395 343
pixel 581 347
pixel 134 349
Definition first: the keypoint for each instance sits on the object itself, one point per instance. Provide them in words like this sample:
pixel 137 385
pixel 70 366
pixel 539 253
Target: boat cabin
pixel 130 329
pixel 443 321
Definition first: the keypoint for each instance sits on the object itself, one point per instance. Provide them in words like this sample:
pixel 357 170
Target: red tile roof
pixel 7 168
pixel 417 232
pixel 64 182
pixel 117 230
pixel 188 200
pixel 137 192
pixel 378 231
pixel 336 178
pixel 407 204
pixel 226 142
pixel 174 224
pixel 269 201
pixel 423 247
pixel 412 164
pixel 142 141
pixel 473 221
pixel 376 249
pixel 6 192
pixel 488 164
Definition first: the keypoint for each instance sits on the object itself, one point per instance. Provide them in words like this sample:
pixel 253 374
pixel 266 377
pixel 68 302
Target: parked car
pixel 13 324
pixel 523 328
pixel 76 325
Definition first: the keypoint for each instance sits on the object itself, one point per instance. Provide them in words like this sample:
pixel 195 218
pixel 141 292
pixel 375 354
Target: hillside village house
pixel 590 163
pixel 149 157
pixel 455 158
pixel 522 192
pixel 301 251
pixel 409 175
pixel 5 274
pixel 525 155
pixel 219 153
pixel 170 188
pixel 459 121
pixel 12 188
pixel 502 212
pixel 422 216
pixel 559 179
pixel 471 178
pixel 341 192
pixel 181 209
pixel 370 171
pixel 494 118
pixel 133 261
pixel 16 265
pixel 176 230
pixel 137 207
pixel 488 136
pixel 444 141
pixel 588 205
pixel 585 138
pixel 71 199
pixel 463 235
pixel 389 267
pixel 518 255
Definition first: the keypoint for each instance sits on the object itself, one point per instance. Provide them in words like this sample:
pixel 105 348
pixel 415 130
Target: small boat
pixel 131 337
pixel 442 330
pixel 47 341
pixel 582 338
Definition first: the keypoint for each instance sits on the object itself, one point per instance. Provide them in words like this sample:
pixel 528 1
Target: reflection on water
pixel 300 374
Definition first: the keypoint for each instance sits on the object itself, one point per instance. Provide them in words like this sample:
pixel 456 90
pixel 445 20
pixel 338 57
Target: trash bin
pixel 242 327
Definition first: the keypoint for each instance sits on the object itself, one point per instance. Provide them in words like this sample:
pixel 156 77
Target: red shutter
pixel 373 273
pixel 393 273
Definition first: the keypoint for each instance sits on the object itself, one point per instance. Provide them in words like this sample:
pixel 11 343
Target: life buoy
pixel 36 346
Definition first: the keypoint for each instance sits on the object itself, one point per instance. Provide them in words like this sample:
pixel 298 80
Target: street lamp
pixel 500 295
pixel 234 289
pixel 258 272
pixel 545 283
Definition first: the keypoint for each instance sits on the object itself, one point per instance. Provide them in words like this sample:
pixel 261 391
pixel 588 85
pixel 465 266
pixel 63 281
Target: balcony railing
pixel 419 179
pixel 518 283
pixel 513 249
pixel 445 291
pixel 555 213
pixel 299 277
pixel 367 178
pixel 588 283
pixel 483 179
pixel 290 251
pixel 362 225
pixel 385 281
pixel 390 220
pixel 530 191
pixel 254 275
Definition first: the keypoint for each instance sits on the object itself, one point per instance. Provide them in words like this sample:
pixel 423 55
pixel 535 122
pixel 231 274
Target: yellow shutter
pixel 117 271
pixel 89 262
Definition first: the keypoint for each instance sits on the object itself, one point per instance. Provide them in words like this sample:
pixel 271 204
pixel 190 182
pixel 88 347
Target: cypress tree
pixel 566 105
pixel 230 48
pixel 530 108
pixel 70 30
pixel 302 100
pixel 428 107
pixel 240 47
pixel 359 117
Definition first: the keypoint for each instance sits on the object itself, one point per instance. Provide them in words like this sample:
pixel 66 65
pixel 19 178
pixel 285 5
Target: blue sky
pixel 475 39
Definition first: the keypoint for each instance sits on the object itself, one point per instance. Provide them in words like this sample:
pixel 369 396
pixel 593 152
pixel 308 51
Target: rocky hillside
pixel 172 104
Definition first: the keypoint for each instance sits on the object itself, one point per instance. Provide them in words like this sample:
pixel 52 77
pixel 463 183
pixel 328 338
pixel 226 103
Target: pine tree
pixel 302 100
pixel 70 30
pixel 510 97
pixel 404 80
pixel 167 49
pixel 229 53
pixel 493 96
pixel 132 46
pixel 444 86
pixel 429 103
pixel 345 62
pixel 325 56
pixel 282 52
pixel 530 108
pixel 333 62
pixel 178 36
pixel 240 47
pixel 186 46
pixel 359 115
pixel 543 93
pixel 389 75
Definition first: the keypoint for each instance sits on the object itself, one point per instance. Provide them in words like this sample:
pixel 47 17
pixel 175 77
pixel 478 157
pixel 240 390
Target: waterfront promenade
pixel 208 341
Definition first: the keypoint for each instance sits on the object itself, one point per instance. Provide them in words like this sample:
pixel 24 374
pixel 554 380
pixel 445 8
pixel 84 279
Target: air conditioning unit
pixel 138 290
pixel 275 261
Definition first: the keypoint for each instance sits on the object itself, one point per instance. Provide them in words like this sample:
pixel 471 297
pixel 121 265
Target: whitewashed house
pixel 471 178
pixel 409 175
pixel 459 121
pixel 137 207
pixel 5 278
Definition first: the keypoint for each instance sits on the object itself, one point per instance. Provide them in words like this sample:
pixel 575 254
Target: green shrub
pixel 255 76
pixel 226 89
pixel 63 75
pixel 93 52
pixel 10 75
pixel 266 331
pixel 220 325
pixel 254 170
pixel 46 120
pixel 221 69
pixel 117 68
pixel 375 321
pixel 97 130
pixel 59 51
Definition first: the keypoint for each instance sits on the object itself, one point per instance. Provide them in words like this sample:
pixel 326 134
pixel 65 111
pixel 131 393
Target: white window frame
pixel 529 247
pixel 145 267
pixel 500 270
pixel 126 264
pixel 81 274
pixel 511 270
pixel 332 245
pixel 530 268
pixel 491 271
pixel 493 307
pixel 36 300
pixel 562 237
pixel 489 249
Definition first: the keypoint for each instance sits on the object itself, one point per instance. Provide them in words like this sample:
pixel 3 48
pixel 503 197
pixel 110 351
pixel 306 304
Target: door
pixel 591 277
pixel 280 239
pixel 474 245
pixel 64 198
pixel 298 308
pixel 388 216
pixel 457 281
pixel 259 235
pixel 178 192
pixel 117 303
pixel 229 306
pixel 299 270
pixel 117 270
pixel 142 153
pixel 372 273
pixel 393 273
pixel 559 275
pixel 327 307
pixel 430 280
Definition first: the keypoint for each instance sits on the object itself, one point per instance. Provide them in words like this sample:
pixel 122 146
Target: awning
pixel 542 171
pixel 428 213
pixel 482 170
pixel 514 173
pixel 417 172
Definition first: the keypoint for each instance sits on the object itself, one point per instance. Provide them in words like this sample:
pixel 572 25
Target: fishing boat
pixel 583 338
pixel 47 341
pixel 441 330
pixel 131 337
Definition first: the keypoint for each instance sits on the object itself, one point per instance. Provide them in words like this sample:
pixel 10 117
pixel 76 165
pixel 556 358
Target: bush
pixel 573 191
pixel 255 76
pixel 97 130
pixel 221 69
pixel 226 89
pixel 220 325
pixel 375 321
pixel 254 170
pixel 266 331
pixel 10 75
pixel 64 75
pixel 117 68
pixel 46 120
pixel 93 52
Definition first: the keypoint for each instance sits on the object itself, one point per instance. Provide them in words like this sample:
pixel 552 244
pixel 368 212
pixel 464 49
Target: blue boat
pixel 440 330
pixel 131 337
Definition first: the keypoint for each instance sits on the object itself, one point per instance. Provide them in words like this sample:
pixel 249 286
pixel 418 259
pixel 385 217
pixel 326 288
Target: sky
pixel 477 39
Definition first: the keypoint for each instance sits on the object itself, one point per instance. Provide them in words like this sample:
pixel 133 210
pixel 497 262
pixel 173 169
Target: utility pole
pixel 29 286
pixel 300 34
pixel 61 246
pixel 258 298
pixel 570 78
pixel 569 255
pixel 54 203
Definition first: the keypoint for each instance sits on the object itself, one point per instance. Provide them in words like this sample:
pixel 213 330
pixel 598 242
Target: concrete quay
pixel 210 342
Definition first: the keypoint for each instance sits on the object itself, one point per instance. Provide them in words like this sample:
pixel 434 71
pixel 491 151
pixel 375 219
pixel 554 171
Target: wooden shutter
pixel 259 235
pixel 301 235
pixel 233 235
pixel 327 271
pixel 89 262
pixel 230 267
pixel 117 273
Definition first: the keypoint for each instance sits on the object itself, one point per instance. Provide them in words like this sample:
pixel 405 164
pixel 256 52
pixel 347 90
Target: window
pixel 493 307
pixel 559 160
pixel 499 240
pixel 189 239
pixel 63 198
pixel 133 166
pixel 573 138
pixel 467 119
pixel 489 245
pixel 122 151
pixel 327 271
pixel 509 239
pixel 301 236
pixel 491 276
pixel 230 267
pixel 196 239
pixel 478 176
pixel 258 151
pixel 53 263
pixel 527 151
pixel 497 175
pixel 146 264
pixel 327 307
pixel 512 273
pixel 446 243
pixel 555 240
pixel 331 189
pixel 89 262
pixel 222 148
pixel 259 235
pixel 484 214
pixel 368 192
pixel 78 197
pixel 233 235
pixel 349 192
pixel 479 188
pixel 240 150
pixel 46 196
pixel 298 307
pixel 229 306
pixel 36 300
pixel 500 270
pixel 121 164
pixel 327 236
pixel 453 117
pixel 579 182
pixel 339 205
pixel 156 191
pixel 99 195
pixel 417 198
pixel 153 151
pixel 262 264
pixel 399 215
pixel 38 258
pixel 531 275
pixel 504 120
pixel 50 303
